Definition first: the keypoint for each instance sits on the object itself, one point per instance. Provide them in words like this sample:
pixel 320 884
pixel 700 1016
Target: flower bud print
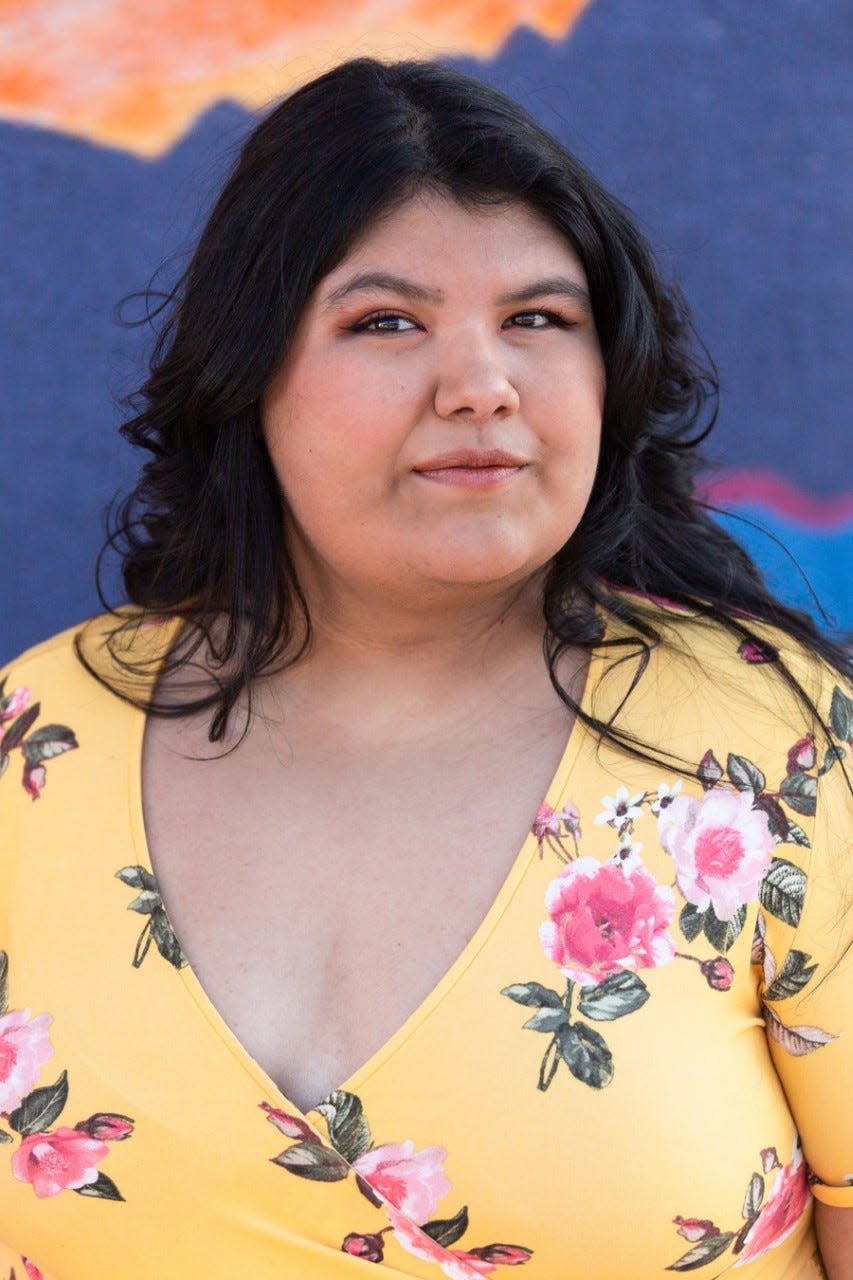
pixel 694 1229
pixel 802 755
pixel 14 703
pixel 718 973
pixel 106 1126
pixel 291 1126
pixel 368 1247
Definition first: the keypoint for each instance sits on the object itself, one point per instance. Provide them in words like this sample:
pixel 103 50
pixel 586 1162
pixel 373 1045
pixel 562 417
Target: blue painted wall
pixel 726 127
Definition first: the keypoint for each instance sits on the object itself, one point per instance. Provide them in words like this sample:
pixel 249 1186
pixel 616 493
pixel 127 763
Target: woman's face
pixel 437 419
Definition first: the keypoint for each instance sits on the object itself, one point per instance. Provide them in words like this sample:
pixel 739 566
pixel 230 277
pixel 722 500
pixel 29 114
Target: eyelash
pixel 364 326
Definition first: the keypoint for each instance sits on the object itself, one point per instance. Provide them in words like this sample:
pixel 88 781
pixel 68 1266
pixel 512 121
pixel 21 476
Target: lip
pixel 471 460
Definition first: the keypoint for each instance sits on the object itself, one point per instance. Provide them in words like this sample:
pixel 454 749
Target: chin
pixel 478 569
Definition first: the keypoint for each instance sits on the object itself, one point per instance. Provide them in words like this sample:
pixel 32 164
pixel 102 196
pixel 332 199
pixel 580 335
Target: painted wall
pixel 724 125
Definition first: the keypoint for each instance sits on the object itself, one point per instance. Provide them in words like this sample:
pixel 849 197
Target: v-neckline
pixel 192 984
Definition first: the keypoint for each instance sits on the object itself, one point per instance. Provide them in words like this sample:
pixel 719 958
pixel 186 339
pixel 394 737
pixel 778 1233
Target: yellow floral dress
pixel 640 1063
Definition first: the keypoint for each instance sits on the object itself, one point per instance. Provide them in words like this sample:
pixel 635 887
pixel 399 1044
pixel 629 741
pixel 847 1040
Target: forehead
pixel 436 240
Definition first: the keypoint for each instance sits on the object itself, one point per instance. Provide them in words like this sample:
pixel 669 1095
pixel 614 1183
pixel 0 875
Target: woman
pixel 422 407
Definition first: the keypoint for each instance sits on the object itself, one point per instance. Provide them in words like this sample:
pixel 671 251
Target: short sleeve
pixel 804 943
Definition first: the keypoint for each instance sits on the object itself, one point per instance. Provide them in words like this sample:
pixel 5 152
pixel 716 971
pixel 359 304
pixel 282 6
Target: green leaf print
pixel 4 982
pixel 164 937
pixel 547 1020
pixel 14 735
pixel 722 933
pixel 157 928
pixel 446 1231
pixel 137 878
pixel 703 1253
pixel 586 1055
pixel 145 903
pixel 792 977
pixel 799 791
pixel 40 1108
pixel 533 994
pixel 841 715
pixel 745 775
pixel 103 1187
pixel 313 1161
pixel 783 890
pixel 833 753
pixel 754 1196
pixel 691 921
pixel 349 1132
pixel 796 835
pixel 49 741
pixel 618 994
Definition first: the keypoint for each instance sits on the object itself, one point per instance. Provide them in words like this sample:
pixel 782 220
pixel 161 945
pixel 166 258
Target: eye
pixel 384 322
pixel 535 320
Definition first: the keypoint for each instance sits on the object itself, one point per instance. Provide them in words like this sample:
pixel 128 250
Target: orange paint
pixel 135 78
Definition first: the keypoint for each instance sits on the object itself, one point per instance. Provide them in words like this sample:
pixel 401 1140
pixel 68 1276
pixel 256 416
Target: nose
pixel 474 383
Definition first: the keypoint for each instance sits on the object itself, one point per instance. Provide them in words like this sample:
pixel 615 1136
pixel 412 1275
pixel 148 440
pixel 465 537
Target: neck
pixel 417 659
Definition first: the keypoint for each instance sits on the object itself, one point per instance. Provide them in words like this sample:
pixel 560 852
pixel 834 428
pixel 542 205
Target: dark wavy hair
pixel 202 534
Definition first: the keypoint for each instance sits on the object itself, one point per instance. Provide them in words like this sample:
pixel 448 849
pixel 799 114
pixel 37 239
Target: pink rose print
pixel 721 846
pixel 605 918
pixel 24 1049
pixel 60 1161
pixel 412 1182
pixel 782 1210
pixel 32 1270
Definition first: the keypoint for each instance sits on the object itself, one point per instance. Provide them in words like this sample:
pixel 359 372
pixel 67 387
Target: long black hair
pixel 202 534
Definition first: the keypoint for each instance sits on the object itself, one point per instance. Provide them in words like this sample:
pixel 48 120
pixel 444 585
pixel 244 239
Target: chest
pixel 321 891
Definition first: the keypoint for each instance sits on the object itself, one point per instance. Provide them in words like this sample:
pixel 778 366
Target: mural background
pixel 724 125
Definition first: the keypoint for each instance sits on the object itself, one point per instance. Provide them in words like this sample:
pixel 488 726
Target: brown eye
pixel 385 322
pixel 536 320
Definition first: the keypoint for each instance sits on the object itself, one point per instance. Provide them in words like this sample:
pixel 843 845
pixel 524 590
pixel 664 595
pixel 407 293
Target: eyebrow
pixel 367 281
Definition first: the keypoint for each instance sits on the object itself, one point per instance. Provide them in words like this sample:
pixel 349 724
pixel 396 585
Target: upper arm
pixel 834 1230
pixel 808 962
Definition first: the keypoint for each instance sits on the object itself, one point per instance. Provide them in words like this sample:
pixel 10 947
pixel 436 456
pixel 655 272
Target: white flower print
pixel 620 809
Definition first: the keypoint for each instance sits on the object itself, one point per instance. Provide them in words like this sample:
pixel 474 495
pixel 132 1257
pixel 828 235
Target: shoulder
pixel 95 652
pixel 748 666
pixel 78 686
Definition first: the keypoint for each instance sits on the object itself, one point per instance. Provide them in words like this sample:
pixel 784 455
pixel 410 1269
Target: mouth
pixel 472 468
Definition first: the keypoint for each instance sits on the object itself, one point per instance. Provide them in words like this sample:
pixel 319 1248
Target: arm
pixel 834 1229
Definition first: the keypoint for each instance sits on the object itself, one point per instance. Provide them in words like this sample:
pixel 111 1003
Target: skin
pixel 834 1230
